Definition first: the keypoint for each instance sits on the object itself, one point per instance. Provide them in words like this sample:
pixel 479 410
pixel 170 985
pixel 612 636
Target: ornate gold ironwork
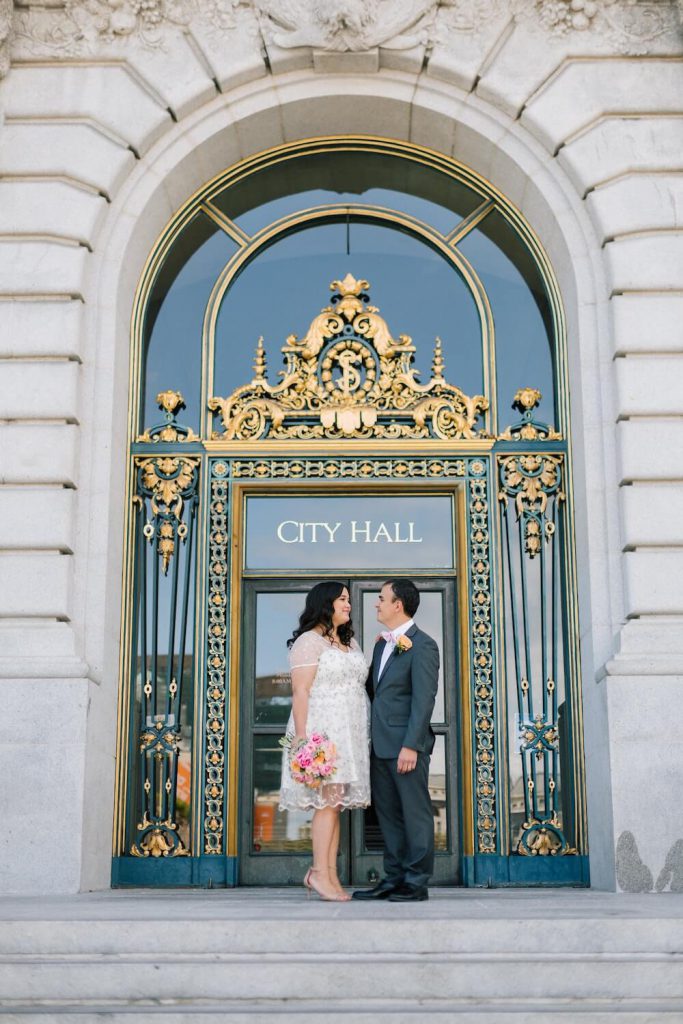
pixel 167 480
pixel 528 429
pixel 530 479
pixel 171 402
pixel 348 377
pixel 214 758
pixel 482 658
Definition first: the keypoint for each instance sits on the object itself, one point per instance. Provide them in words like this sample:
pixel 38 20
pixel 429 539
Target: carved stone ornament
pixel 349 378
pixel 82 27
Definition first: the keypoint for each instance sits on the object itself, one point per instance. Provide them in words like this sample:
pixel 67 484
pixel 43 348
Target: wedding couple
pixel 379 722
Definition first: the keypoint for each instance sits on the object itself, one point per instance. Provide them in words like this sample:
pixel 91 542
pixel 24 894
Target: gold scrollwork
pixel 167 480
pixel 348 377
pixel 531 479
pixel 482 647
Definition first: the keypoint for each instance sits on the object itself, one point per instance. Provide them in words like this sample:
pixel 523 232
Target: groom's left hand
pixel 407 759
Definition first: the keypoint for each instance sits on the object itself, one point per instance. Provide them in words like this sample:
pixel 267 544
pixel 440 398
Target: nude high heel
pixel 311 887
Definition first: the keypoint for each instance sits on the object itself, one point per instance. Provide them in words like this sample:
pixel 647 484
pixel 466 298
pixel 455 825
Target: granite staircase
pixel 466 956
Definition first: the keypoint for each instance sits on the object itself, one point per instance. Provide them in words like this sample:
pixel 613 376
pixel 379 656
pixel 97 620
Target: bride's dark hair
pixel 319 610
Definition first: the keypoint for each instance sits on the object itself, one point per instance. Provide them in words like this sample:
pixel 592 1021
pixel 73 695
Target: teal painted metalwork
pixel 166 501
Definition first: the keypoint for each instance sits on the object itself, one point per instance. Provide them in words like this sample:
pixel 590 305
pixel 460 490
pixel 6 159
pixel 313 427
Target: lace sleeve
pixel 305 651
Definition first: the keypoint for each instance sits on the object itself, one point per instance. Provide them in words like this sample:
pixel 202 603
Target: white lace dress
pixel 339 706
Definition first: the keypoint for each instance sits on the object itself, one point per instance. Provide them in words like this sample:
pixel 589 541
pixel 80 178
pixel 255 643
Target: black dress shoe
pixel 381 891
pixel 409 894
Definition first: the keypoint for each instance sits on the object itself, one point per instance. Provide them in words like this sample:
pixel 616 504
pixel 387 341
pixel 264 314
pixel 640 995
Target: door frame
pixel 389 488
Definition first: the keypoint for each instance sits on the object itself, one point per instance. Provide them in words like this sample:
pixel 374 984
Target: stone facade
pixel 114 113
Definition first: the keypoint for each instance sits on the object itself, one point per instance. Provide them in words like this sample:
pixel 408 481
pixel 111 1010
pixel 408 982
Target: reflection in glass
pixel 417 290
pixel 277 616
pixel 174 316
pixel 325 178
pixel 429 617
pixel 521 314
pixel 438 791
pixel 275 831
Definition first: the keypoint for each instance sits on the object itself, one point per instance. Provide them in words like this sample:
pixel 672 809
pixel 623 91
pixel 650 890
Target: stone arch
pixel 225 130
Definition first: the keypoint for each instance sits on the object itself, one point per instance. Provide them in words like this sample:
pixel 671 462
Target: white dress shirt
pixel 389 645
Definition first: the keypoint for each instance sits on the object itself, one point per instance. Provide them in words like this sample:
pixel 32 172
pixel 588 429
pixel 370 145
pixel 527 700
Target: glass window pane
pixel 275 831
pixel 347 178
pixel 416 289
pixel 521 314
pixel 429 617
pixel 174 316
pixel 277 616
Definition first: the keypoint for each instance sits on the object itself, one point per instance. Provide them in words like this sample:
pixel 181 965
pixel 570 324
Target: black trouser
pixel 404 811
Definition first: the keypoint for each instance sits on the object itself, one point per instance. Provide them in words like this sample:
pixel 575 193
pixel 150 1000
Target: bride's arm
pixel 302 680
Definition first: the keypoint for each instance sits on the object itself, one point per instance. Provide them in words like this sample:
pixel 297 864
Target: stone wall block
pixel 35 584
pixel 619 145
pixel 647 322
pixel 650 385
pixel 584 91
pixel 652 514
pixel 637 203
pixel 650 449
pixel 106 93
pixel 654 582
pixel 50 208
pixel 510 78
pixel 32 389
pixel 32 453
pixel 232 66
pixel 48 328
pixel 646 262
pixel 41 268
pixel 175 73
pixel 37 517
pixel 77 151
pixel 459 57
pixel 42 746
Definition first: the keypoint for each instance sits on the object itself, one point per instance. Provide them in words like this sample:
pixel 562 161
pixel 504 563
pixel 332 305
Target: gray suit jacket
pixel 403 696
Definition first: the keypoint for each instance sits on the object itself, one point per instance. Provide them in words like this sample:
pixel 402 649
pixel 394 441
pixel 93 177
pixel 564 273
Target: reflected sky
pixel 417 291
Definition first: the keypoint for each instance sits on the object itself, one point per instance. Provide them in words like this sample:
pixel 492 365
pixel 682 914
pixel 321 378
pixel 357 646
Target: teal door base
pixel 483 871
pixel 212 872
pixel 492 871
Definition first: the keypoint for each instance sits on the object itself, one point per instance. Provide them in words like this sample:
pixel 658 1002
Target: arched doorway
pixel 417 247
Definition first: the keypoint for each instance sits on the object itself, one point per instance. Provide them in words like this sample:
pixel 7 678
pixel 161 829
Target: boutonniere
pixel 404 643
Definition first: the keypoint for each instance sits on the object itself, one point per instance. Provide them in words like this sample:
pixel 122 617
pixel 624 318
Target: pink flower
pixel 316 737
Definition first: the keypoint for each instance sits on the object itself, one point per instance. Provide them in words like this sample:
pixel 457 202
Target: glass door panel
pixel 275 845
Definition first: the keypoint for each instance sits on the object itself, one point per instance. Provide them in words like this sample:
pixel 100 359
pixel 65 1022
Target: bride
pixel 328 697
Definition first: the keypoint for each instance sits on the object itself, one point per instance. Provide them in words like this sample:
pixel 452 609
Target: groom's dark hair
pixel 406 592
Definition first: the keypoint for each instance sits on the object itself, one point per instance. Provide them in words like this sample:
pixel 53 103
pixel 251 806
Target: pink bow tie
pixel 389 637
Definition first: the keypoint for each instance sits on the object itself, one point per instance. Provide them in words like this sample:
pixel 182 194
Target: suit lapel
pixel 410 633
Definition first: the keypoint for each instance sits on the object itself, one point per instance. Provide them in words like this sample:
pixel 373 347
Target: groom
pixel 402 685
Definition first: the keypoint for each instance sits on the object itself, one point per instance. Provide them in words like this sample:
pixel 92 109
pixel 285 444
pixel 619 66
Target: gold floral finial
pixel 526 398
pixel 349 286
pixel 170 401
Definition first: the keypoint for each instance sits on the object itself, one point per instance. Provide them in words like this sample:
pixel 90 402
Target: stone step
pixel 353 1012
pixel 323 930
pixel 322 976
pixel 245 956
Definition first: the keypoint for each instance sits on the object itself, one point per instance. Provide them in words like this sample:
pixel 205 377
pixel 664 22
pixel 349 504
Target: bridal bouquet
pixel 311 761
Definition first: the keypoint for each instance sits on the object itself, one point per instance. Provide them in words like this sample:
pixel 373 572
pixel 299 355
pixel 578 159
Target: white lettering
pixel 413 539
pixel 355 530
pixel 280 534
pixel 332 530
pixel 384 534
